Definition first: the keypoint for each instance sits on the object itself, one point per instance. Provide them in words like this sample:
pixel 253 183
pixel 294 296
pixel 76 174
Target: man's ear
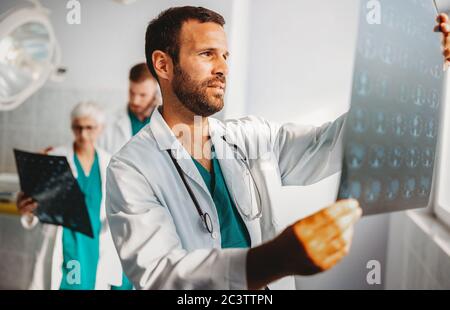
pixel 163 65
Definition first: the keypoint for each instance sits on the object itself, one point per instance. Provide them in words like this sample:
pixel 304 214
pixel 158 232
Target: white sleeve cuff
pixel 29 221
pixel 237 269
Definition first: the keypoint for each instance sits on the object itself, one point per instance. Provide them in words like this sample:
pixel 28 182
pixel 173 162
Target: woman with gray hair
pixel 78 261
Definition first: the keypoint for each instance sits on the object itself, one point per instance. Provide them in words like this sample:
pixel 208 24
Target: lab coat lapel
pixel 103 159
pixel 69 153
pixel 187 165
pixel 235 173
pixel 167 141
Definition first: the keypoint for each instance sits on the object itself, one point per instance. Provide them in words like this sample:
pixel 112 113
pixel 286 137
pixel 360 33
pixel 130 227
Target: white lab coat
pixel 47 273
pixel 116 135
pixel 155 226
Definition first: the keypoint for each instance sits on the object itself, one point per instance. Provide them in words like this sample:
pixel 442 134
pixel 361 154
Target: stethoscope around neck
pixel 204 216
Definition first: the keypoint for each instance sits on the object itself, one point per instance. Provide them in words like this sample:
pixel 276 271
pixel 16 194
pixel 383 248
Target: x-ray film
pixel 442 6
pixel 49 181
pixel 393 124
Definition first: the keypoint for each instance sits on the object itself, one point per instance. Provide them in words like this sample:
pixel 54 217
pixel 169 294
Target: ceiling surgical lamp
pixel 29 53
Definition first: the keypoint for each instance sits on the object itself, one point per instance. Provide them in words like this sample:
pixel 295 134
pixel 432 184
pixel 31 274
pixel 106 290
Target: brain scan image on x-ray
pixel 392 127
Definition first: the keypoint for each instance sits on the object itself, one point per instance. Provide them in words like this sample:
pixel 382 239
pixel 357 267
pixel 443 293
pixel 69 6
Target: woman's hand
pixel 47 150
pixel 26 205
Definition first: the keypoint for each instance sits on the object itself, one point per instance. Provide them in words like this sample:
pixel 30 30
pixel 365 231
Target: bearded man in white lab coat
pixel 189 197
pixel 143 97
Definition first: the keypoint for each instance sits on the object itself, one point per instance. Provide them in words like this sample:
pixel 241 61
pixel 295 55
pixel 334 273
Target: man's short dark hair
pixel 163 32
pixel 139 73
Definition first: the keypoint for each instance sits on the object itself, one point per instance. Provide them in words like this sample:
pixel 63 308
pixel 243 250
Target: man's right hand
pixel 326 236
pixel 309 246
pixel 26 205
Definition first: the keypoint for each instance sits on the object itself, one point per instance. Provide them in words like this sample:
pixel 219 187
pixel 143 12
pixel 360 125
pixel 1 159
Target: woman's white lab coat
pixel 154 223
pixel 47 273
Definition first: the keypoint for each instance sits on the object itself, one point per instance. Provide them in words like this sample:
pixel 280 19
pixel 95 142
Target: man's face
pixel 141 95
pixel 199 79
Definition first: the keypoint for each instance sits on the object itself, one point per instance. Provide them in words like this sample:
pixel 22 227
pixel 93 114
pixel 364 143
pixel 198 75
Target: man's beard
pixel 193 95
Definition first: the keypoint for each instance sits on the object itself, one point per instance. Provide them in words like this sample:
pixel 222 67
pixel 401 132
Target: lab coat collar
pixel 166 139
pixel 163 135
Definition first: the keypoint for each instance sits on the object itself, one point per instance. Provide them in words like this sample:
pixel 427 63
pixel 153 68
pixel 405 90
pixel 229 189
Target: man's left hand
pixel 443 27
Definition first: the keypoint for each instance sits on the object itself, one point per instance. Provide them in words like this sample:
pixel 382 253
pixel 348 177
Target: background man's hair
pixel 139 73
pixel 163 32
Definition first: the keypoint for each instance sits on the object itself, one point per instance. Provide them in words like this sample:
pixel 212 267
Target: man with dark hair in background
pixel 190 198
pixel 143 97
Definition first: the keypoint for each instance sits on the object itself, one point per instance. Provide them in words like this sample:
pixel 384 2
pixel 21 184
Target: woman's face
pixel 86 131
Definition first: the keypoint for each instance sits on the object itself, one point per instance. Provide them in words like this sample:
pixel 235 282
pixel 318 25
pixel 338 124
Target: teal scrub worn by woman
pixel 77 246
pixel 232 228
pixel 136 124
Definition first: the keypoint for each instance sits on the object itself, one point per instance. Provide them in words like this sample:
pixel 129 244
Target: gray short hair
pixel 90 109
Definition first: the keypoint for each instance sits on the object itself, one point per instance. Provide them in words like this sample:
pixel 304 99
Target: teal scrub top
pixel 136 124
pixel 77 246
pixel 232 228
